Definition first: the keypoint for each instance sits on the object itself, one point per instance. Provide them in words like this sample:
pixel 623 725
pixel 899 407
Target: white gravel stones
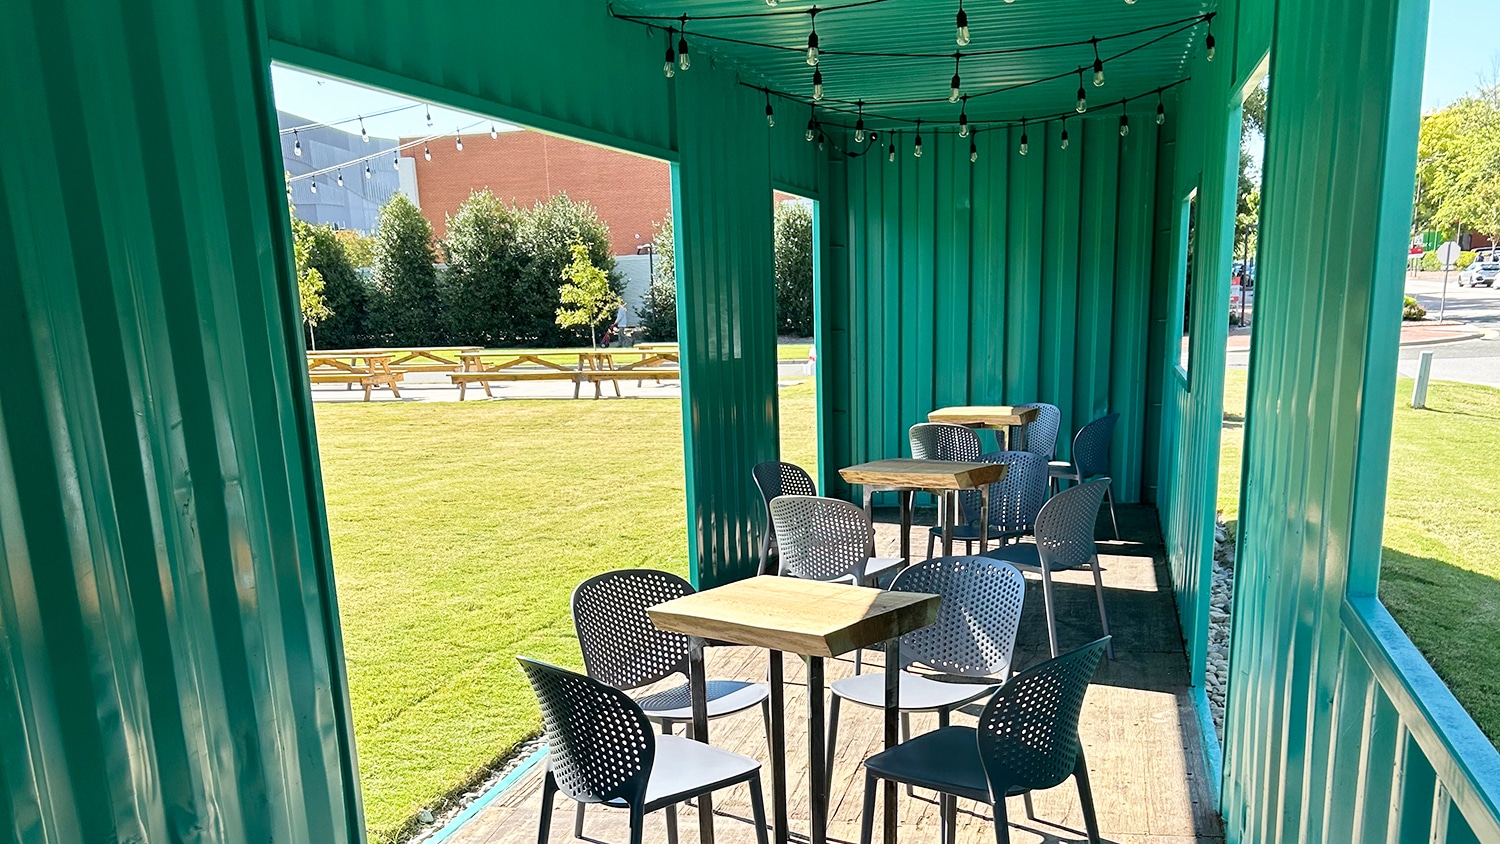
pixel 1220 605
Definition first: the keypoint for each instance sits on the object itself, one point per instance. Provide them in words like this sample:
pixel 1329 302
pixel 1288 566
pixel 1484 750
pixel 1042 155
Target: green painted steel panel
pixel 1002 280
pixel 171 655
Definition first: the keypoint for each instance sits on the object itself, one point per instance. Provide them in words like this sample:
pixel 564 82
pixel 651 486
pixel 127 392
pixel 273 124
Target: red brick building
pixel 631 192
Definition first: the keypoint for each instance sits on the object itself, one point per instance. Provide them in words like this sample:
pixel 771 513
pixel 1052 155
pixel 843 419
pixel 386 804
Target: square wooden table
pixel 815 620
pixel 998 417
pixel 906 476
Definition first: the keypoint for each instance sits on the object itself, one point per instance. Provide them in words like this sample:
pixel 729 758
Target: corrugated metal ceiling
pixel 925 26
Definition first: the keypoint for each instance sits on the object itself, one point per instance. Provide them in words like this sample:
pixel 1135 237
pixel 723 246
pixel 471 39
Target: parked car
pixel 1483 271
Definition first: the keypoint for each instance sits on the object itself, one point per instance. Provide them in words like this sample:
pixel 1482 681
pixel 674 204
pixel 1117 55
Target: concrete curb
pixel 1438 341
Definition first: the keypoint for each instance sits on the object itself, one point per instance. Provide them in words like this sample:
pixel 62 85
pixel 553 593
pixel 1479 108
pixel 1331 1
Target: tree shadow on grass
pixel 1453 617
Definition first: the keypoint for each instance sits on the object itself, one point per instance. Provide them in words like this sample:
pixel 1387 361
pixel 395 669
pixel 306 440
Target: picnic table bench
pixel 363 368
pixel 414 358
pixel 597 368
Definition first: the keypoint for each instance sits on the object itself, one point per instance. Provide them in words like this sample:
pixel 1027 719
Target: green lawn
pixel 1440 572
pixel 459 531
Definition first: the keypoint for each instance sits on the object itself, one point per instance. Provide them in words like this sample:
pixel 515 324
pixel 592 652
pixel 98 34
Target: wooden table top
pixel 907 473
pixel 983 416
pixel 797 616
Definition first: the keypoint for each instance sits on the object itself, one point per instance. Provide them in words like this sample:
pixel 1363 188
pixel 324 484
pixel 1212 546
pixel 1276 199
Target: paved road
pixel 1474 361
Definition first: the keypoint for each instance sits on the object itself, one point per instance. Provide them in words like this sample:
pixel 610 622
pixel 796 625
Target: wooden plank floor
pixel 1139 731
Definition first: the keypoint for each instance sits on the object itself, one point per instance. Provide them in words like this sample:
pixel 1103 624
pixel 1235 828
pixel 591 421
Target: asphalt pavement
pixel 1473 361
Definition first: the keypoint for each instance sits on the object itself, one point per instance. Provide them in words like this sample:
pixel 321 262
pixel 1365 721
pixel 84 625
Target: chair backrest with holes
pixel 1017 498
pixel 1065 527
pixel 975 631
pixel 1091 446
pixel 1041 432
pixel 1028 732
pixel 820 538
pixel 621 647
pixel 599 744
pixel 943 441
pixel 775 478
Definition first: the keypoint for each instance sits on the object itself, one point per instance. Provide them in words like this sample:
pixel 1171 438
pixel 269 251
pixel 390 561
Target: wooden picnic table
pixel 596 367
pixel 906 476
pixel 816 621
pixel 367 369
pixel 999 417
pixel 415 358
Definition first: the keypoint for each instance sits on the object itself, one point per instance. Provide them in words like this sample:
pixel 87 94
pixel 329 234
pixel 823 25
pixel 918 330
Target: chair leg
pixel 672 824
pixel 1109 646
pixel 931 543
pixel 765 553
pixel 765 716
pixel 1110 498
pixel 1030 809
pixel 948 807
pixel 578 820
pixel 867 820
pixel 1086 798
pixel 549 790
pixel 833 737
pixel 1047 603
pixel 637 824
pixel 758 810
pixel 859 658
pixel 911 790
pixel 1002 823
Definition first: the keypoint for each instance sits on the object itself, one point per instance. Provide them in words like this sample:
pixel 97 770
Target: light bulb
pixel 916 150
pixel 429 115
pixel 963 28
pixel 458 144
pixel 772 2
pixel 812 130
pixel 314 187
pixel 770 116
pixel 820 140
pixel 368 174
pixel 296 144
pixel 396 162
pixel 1124 125
pixel 363 135
pixel 1161 114
pixel 1209 43
pixel 891 157
pixel 1064 144
pixel 669 67
pixel 494 133
pixel 812 48
pixel 953 89
pixel 341 178
pixel 963 124
pixel 1098 73
pixel 1083 100
pixel 1025 146
pixel 426 153
pixel 973 151
pixel 817 84
pixel 684 61
pixel 859 131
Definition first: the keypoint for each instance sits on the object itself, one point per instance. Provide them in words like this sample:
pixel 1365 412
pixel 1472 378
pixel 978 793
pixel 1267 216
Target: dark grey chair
pixel 600 749
pixel 943 441
pixel 1015 501
pixel 1040 434
pixel 1026 740
pixel 1064 540
pixel 1090 459
pixel 775 478
pixel 624 649
pixel 969 646
pixel 827 539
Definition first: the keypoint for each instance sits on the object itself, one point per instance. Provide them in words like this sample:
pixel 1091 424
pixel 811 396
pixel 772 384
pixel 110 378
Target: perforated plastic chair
pixel 1015 501
pixel 1064 540
pixel 775 478
pixel 624 649
pixel 1026 740
pixel 943 441
pixel 600 749
pixel 1041 432
pixel 973 639
pixel 1090 459
pixel 826 539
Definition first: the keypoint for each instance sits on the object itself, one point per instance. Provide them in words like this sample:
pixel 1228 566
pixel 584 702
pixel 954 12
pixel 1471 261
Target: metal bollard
pixel 1419 391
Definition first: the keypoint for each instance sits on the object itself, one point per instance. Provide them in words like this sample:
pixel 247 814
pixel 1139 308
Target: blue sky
pixel 1463 46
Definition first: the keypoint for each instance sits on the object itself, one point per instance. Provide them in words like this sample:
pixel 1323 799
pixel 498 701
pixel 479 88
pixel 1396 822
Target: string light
pixel 315 186
pixel 341 178
pixel 818 84
pixel 963 119
pixel 429 114
pixel 770 112
pixel 426 153
pixel 812 129
pixel 669 67
pixel 953 89
pixel 916 150
pixel 458 141
pixel 1161 109
pixel 1064 144
pixel 495 133
pixel 1098 65
pixel 1083 98
pixel 891 156
pixel 363 135
pixel 859 125
pixel 973 151
pixel 396 162
pixel 812 38
pixel 296 144
pixel 684 61
pixel 962 23
pixel 1124 118
pixel 368 174
pixel 821 139
pixel 772 2
pixel 1209 41
pixel 1025 146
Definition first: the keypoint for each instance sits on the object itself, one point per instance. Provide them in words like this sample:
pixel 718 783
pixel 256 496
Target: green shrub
pixel 485 263
pixel 345 291
pixel 408 301
pixel 1411 310
pixel 794 269
pixel 547 232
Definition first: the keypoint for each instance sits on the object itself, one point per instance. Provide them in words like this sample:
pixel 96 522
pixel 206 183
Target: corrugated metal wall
pixel 1012 279
pixel 1337 728
pixel 169 644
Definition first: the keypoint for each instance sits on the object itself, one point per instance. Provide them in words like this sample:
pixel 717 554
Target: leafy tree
pixel 659 312
pixel 794 269
pixel 547 233
pixel 485 265
pixel 1458 165
pixel 309 280
pixel 408 303
pixel 1247 204
pixel 359 248
pixel 345 291
pixel 586 295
